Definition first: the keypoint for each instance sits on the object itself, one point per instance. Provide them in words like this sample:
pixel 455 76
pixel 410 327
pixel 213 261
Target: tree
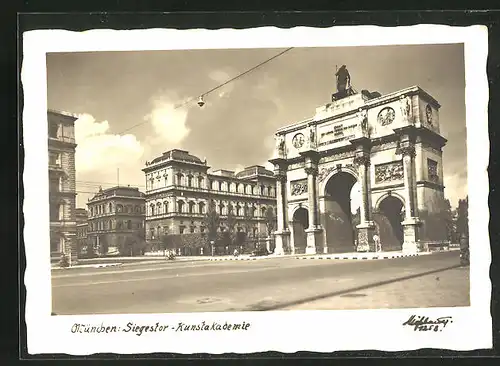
pixel 447 217
pixel 231 225
pixel 270 220
pixel 247 219
pixel 212 221
pixel 463 217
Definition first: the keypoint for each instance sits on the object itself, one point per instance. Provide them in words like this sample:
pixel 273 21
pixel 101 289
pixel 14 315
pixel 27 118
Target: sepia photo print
pixel 231 188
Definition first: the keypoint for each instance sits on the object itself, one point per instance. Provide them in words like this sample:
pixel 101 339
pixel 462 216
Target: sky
pixel 125 103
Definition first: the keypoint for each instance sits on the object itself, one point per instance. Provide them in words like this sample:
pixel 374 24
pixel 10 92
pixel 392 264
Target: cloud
pixel 220 77
pixel 98 150
pixel 168 119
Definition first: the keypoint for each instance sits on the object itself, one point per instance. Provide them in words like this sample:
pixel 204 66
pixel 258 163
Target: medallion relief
pixel 386 116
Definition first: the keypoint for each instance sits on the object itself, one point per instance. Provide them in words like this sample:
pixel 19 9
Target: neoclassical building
pixel 82 226
pixel 391 145
pixel 116 219
pixel 62 187
pixel 179 188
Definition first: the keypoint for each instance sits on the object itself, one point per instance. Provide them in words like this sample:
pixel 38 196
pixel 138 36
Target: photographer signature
pixel 425 324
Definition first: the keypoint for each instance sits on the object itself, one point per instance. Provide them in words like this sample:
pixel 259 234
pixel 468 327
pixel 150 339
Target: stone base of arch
pixel 410 243
pixel 314 240
pixel 365 237
pixel 282 239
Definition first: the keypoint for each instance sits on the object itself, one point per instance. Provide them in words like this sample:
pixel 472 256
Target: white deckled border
pixel 284 331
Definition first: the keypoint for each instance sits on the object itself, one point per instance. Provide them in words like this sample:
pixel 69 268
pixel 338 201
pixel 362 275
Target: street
pixel 267 284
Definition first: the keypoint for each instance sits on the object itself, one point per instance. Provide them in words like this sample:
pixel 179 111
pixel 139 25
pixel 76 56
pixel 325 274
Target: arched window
pixel 201 207
pixel 191 207
pixel 180 206
pixel 253 211
pixel 129 224
pixel 158 208
pixel 165 206
pixel 152 209
pixel 179 179
pixel 238 210
pixel 220 186
pixel 190 180
pixel 200 182
pixel 230 209
pixel 119 208
pixel 263 211
pixel 110 207
pixel 137 209
pixel 262 190
pixel 269 190
pixel 221 208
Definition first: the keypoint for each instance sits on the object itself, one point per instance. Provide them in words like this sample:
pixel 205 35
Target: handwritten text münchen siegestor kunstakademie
pixel 140 329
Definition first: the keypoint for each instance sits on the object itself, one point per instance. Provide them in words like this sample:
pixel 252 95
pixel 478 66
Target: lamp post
pixel 212 244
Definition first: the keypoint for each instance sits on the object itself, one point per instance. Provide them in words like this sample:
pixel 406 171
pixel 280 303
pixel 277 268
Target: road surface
pixel 266 284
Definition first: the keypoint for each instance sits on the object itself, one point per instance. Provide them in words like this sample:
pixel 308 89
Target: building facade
pixel 116 221
pixel 62 185
pixel 82 226
pixel 179 189
pixel 391 145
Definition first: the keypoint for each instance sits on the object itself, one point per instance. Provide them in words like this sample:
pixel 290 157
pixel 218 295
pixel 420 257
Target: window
pixel 432 170
pixel 263 210
pixel 201 207
pixel 110 225
pixel 202 229
pixel 190 180
pixel 152 209
pixel 54 159
pixel 181 229
pixel 165 206
pixel 220 186
pixel 129 224
pixel 192 229
pixel 191 207
pixel 221 209
pixel 110 207
pixel 53 129
pixel 54 184
pixel 54 212
pixel 152 232
pixel 200 182
pixel 180 206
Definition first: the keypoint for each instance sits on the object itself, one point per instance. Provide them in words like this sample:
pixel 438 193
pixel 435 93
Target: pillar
pixel 366 227
pixel 411 222
pixel 282 234
pixel 314 230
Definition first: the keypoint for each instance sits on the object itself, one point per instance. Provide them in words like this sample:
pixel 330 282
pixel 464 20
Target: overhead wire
pixel 215 88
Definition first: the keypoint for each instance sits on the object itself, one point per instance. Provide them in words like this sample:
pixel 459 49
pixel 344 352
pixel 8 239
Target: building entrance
pixel 336 217
pixel 300 223
pixel 388 220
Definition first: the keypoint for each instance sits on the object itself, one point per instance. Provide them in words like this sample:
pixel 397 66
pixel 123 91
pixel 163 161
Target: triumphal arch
pixel 390 145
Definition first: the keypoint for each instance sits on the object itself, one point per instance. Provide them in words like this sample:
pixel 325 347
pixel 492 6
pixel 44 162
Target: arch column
pixel 282 234
pixel 366 227
pixel 314 231
pixel 411 222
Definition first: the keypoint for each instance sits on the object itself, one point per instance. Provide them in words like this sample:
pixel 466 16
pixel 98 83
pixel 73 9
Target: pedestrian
pixel 376 241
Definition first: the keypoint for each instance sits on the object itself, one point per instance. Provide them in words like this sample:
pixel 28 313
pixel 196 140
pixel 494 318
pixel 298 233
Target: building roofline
pixel 74 116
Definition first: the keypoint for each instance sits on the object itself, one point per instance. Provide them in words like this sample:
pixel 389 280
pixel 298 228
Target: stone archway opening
pixel 299 225
pixel 388 219
pixel 337 216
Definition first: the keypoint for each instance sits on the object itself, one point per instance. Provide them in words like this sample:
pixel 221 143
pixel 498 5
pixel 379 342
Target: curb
pixel 89 266
pixel 240 259
pixel 339 257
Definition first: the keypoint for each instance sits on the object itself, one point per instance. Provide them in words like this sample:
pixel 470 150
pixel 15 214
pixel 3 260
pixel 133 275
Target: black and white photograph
pixel 259 185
